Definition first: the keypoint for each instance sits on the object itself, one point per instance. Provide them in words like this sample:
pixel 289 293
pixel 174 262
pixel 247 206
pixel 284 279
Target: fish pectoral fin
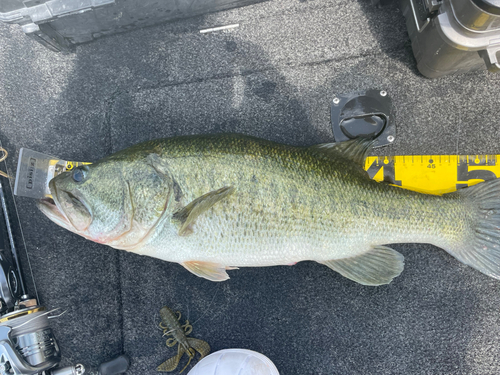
pixel 200 346
pixel 378 266
pixel 355 150
pixel 207 270
pixel 188 214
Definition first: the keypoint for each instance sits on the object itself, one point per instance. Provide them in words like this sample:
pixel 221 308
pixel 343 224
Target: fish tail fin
pixel 482 248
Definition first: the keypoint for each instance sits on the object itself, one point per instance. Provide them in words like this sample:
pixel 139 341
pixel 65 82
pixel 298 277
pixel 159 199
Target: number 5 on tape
pixel 433 174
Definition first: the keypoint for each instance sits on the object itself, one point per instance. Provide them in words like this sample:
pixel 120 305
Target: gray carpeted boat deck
pixel 274 77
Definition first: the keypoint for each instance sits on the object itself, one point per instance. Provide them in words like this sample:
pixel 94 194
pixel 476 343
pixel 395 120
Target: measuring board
pixel 433 174
pixel 430 174
pixel 35 170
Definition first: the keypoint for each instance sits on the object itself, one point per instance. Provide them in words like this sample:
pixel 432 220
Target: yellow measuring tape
pixel 430 174
pixel 433 174
pixel 57 166
pixel 72 164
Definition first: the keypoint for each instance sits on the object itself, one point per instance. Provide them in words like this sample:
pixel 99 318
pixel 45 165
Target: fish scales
pixel 215 202
pixel 291 203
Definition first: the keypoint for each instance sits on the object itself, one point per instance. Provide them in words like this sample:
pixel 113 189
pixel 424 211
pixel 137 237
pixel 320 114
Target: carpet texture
pixel 274 77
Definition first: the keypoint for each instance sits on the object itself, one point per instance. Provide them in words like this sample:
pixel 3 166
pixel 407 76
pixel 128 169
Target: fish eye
pixel 78 174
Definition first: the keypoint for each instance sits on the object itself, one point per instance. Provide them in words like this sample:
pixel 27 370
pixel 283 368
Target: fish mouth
pixel 66 209
pixel 48 201
pixel 49 207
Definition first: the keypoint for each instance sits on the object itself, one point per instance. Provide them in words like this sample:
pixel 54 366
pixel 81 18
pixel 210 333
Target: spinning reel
pixel 27 343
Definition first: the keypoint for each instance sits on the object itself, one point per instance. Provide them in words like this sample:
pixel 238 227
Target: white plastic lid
pixel 235 362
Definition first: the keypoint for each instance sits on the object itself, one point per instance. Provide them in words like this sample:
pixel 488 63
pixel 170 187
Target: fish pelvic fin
pixel 188 214
pixel 482 250
pixel 208 270
pixel 376 267
pixel 355 150
pixel 200 346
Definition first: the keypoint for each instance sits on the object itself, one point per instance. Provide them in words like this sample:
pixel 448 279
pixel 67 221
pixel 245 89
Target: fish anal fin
pixel 200 346
pixel 355 150
pixel 208 270
pixel 378 266
pixel 187 215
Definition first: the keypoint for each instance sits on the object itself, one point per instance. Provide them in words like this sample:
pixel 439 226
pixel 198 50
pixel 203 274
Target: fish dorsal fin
pixel 378 266
pixel 355 149
pixel 188 214
pixel 208 270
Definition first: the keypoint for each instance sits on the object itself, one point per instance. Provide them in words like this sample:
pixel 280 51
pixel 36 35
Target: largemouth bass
pixel 217 202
